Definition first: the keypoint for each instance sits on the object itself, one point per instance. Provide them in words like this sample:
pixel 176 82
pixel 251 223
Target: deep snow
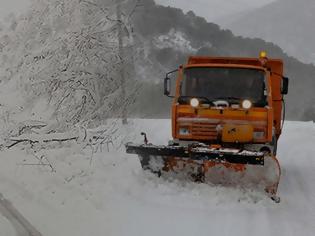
pixel 113 196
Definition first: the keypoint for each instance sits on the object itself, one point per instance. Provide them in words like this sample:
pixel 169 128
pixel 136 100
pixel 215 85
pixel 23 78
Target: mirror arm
pixel 171 72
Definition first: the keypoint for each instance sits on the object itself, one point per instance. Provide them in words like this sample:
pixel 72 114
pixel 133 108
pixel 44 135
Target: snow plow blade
pixel 199 153
pixel 223 166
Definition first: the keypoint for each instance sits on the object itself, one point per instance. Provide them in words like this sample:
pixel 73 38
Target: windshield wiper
pixel 227 98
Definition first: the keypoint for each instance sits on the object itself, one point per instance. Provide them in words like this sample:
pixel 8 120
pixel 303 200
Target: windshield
pixel 230 84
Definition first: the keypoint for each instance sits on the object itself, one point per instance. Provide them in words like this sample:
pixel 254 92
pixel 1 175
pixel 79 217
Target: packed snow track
pixel 108 193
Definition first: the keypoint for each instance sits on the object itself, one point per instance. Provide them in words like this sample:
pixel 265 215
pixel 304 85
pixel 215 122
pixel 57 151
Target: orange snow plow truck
pixel 227 117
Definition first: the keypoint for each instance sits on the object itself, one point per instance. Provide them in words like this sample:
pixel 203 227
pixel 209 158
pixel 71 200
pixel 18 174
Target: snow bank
pixel 113 196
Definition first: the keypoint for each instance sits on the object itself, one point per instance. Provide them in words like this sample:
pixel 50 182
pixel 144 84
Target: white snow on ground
pixel 113 196
pixel 6 228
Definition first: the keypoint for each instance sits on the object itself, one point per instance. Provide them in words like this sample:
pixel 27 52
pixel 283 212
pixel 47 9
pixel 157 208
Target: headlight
pixel 194 102
pixel 184 131
pixel 246 104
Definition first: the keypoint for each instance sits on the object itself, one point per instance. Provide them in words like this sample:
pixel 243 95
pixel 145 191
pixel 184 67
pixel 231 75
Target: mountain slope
pixel 288 23
pixel 215 10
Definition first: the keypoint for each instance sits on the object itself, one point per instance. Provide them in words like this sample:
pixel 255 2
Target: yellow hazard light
pixel 263 54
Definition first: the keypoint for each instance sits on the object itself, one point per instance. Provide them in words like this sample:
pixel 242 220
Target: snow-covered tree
pixel 65 54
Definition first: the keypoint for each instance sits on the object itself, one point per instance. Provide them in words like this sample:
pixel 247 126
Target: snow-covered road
pixel 6 227
pixel 21 226
pixel 113 196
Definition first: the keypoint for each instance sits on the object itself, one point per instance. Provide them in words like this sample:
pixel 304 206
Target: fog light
pixel 184 131
pixel 259 135
pixel 246 104
pixel 194 102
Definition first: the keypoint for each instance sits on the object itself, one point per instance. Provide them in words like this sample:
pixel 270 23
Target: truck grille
pixel 204 130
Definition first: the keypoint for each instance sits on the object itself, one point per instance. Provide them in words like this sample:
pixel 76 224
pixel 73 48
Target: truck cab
pixel 231 102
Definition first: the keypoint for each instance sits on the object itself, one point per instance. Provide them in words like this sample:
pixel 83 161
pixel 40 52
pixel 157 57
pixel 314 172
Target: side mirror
pixel 285 86
pixel 167 86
